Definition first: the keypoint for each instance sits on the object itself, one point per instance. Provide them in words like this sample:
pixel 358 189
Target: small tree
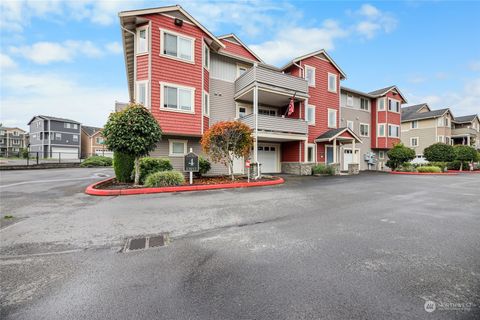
pixel 465 153
pixel 132 131
pixel 439 152
pixel 399 155
pixel 226 141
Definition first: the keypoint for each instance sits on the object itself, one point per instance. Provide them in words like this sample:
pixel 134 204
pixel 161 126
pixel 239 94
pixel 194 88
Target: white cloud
pixel 474 65
pixel 114 47
pixel 6 62
pixel 369 11
pixel 368 29
pixel 373 20
pixel 417 79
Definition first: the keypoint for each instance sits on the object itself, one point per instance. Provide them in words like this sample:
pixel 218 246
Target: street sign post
pixel 191 164
pixel 247 164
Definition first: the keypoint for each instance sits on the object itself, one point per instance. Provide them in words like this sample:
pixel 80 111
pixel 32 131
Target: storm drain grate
pixel 146 242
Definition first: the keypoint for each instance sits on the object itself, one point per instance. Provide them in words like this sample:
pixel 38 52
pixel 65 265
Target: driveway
pixel 373 246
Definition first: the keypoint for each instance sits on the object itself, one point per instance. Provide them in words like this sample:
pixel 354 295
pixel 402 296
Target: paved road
pixel 374 246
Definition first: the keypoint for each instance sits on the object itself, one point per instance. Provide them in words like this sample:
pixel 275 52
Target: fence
pixel 33 158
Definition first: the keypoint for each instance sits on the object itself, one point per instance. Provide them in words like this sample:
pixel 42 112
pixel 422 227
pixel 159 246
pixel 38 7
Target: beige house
pixel 466 130
pixel 92 142
pixel 12 140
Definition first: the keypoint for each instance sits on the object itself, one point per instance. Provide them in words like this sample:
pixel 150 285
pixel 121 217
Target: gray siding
pixel 223 68
pixel 279 124
pixel 222 105
pixel 357 117
pixel 271 78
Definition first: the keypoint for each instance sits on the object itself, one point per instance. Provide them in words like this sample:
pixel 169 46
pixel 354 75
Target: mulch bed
pixel 115 185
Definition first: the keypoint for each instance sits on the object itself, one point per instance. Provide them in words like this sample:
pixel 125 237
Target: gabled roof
pixel 53 118
pixel 12 128
pixel 90 131
pixel 383 91
pixel 406 111
pixel 335 133
pixel 316 53
pixel 424 115
pixel 342 88
pixel 237 39
pixel 465 119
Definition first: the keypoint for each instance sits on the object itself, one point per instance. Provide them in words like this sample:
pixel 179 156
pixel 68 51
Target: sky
pixel 65 58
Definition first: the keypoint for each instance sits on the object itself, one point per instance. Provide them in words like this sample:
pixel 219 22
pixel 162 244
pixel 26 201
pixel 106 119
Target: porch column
pixel 354 157
pixel 335 150
pixel 468 140
pixel 255 113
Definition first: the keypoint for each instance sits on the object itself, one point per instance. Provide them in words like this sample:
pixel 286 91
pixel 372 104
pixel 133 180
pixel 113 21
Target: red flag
pixel 291 106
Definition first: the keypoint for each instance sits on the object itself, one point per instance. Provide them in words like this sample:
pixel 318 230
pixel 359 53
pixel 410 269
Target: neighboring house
pixel 190 79
pixel 92 143
pixel 422 127
pixel 375 118
pixel 12 140
pixel 466 130
pixel 55 137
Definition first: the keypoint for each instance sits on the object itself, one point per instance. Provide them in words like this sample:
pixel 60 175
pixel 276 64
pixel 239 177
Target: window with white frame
pixel 75 126
pixel 381 104
pixel 349 100
pixel 332 82
pixel 66 125
pixel 141 94
pixel 364 129
pixel 310 114
pixel 414 142
pixel 242 112
pixel 381 154
pixel 332 118
pixel 206 56
pixel 381 130
pixel 414 124
pixel 75 137
pixel 393 131
pixel 142 40
pixel 99 140
pixel 177 148
pixel 364 104
pixel 39 123
pixel 440 138
pixel 267 112
pixel 58 136
pixel 310 75
pixel 206 103
pixel 177 98
pixel 350 124
pixel 393 105
pixel 311 153
pixel 241 69
pixel 177 46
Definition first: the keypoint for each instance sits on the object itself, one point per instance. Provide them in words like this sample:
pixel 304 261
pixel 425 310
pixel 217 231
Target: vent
pixel 146 242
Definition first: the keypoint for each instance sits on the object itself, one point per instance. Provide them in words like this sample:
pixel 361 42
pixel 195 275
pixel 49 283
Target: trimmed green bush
pixel 429 169
pixel 439 152
pixel 97 161
pixel 441 165
pixel 164 179
pixel 323 169
pixel 455 165
pixel 123 165
pixel 399 155
pixel 407 167
pixel 204 166
pixel 150 165
pixel 465 153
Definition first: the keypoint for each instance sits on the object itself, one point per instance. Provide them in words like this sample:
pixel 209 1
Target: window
pixel 177 147
pixel 393 105
pixel 75 137
pixel 99 140
pixel 414 142
pixel 447 122
pixel 350 124
pixel 332 118
pixel 75 126
pixel 267 112
pixel 381 154
pixel 332 82
pixel 443 122
pixel 15 133
pixel 241 69
pixel 310 114
pixel 364 105
pixel 381 130
pixel 141 94
pixel 381 104
pixel 311 153
pixel 414 124
pixel 177 98
pixel 58 136
pixel 142 40
pixel 447 140
pixel 349 100
pixel 310 76
pixel 440 138
pixel 364 129
pixel 393 131
pixel 206 104
pixel 177 46
pixel 66 125
pixel 206 56
pixel 39 124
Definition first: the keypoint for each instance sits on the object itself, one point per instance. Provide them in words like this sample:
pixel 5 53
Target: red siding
pixel 206 80
pixel 206 123
pixel 238 50
pixel 178 72
pixel 321 155
pixel 290 151
pixel 142 67
pixel 386 117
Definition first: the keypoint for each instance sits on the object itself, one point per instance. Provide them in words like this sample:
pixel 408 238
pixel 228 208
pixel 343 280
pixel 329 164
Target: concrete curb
pixel 425 173
pixel 99 192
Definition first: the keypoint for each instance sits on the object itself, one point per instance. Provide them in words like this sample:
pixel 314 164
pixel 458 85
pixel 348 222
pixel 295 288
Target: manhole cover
pixel 143 243
pixel 136 244
pixel 157 241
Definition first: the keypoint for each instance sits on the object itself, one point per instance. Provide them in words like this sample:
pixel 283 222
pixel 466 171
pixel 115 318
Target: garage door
pixel 64 153
pixel 268 157
pixel 104 153
pixel 348 158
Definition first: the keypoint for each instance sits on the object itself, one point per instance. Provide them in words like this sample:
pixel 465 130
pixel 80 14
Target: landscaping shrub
pixel 465 154
pixel 407 167
pixel 164 179
pixel 430 169
pixel 439 152
pixel 455 165
pixel 323 169
pixel 97 161
pixel 24 153
pixel 399 155
pixel 150 165
pixel 441 165
pixel 204 166
pixel 123 165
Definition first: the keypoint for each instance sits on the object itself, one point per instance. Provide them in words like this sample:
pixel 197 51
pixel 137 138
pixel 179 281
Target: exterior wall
pixel 426 134
pixel 142 66
pixel 222 105
pixel 237 50
pixel 86 145
pixel 12 140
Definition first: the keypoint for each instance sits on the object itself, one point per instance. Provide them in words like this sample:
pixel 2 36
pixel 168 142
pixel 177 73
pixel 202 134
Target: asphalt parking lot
pixel 373 246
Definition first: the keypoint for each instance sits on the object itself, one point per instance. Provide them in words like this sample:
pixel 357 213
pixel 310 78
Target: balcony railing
pixel 276 124
pixel 464 131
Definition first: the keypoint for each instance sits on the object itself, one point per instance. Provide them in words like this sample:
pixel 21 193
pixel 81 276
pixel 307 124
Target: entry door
pixel 348 158
pixel 329 154
pixel 268 157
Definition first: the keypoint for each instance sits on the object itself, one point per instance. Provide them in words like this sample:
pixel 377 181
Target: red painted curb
pixel 100 192
pixel 426 173
pixel 464 171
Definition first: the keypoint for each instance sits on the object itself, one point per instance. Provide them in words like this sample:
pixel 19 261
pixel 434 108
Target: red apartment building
pixel 190 79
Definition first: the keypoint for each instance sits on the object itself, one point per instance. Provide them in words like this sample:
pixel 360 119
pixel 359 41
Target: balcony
pixel 277 124
pixel 464 132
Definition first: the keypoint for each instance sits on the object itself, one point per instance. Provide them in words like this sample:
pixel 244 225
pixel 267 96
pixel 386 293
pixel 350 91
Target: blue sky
pixel 64 58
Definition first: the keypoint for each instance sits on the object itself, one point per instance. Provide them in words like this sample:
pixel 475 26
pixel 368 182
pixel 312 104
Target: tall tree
pixel 464 153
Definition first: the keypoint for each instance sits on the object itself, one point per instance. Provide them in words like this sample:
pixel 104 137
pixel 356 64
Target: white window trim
pixel 137 37
pixel 442 140
pixel 381 155
pixel 312 122
pixel 399 105
pixel 204 50
pixel 328 82
pixel 314 146
pixel 178 86
pixel 173 33
pixel 314 75
pixel 411 142
pixel 411 124
pixel 241 66
pixel 170 147
pixel 384 104
pixel 206 94
pixel 137 83
pixel 350 96
pixel 384 130
pixel 328 118
pixel 393 125
pixel 368 104
pixel 352 126
pixel 360 129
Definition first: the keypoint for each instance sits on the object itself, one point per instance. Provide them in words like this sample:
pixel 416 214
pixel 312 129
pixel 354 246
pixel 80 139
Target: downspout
pixel 302 75
pixel 134 62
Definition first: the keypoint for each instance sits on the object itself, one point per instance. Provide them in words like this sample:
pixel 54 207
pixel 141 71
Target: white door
pixel 268 155
pixel 348 158
pixel 105 153
pixel 64 153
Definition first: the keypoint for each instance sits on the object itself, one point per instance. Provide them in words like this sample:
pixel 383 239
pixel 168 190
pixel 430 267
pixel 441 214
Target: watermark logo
pixel 430 306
